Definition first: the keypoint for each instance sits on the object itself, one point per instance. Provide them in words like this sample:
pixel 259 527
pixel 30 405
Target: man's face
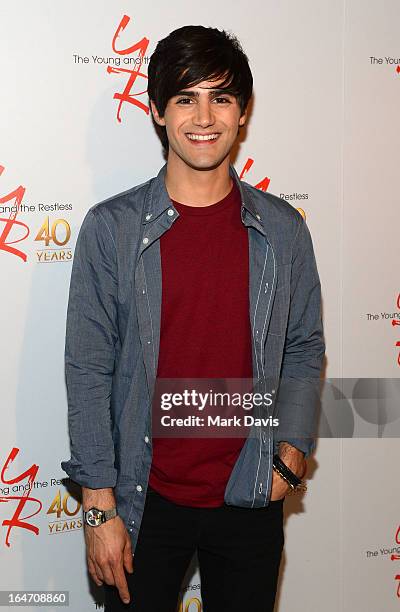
pixel 202 124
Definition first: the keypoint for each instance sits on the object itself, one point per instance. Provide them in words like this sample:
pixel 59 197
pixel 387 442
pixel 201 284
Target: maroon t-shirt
pixel 205 333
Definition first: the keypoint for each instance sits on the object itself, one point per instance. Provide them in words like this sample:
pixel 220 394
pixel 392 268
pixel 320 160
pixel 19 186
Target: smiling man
pixel 192 275
pixel 202 125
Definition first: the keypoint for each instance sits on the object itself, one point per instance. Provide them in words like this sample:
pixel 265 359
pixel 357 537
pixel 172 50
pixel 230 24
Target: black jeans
pixel 239 552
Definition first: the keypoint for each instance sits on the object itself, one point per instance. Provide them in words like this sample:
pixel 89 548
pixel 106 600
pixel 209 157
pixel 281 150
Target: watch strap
pixel 109 514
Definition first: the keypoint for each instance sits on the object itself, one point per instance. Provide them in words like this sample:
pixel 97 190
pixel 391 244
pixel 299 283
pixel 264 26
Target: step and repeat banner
pixel 323 133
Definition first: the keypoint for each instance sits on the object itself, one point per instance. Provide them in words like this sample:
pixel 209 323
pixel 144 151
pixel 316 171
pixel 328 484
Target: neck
pixel 197 187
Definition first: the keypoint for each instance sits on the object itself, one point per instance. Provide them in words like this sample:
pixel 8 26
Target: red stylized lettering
pixel 17 520
pixel 262 185
pixel 126 95
pixel 394 322
pixel 9 222
pixel 397 558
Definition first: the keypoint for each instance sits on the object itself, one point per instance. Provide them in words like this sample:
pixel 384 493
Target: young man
pixel 197 275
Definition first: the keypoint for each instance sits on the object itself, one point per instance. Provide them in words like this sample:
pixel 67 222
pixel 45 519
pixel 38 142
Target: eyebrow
pixel 195 94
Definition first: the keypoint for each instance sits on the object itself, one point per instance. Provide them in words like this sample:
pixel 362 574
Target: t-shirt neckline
pixel 210 209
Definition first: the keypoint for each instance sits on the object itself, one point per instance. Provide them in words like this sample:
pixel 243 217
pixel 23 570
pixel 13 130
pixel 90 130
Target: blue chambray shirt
pixel 113 332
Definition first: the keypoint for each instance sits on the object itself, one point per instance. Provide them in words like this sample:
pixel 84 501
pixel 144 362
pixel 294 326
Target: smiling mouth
pixel 202 137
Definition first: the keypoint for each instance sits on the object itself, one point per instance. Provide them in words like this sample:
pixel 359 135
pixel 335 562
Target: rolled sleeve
pixel 298 398
pixel 90 341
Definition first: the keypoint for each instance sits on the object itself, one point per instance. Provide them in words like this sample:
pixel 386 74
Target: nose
pixel 203 116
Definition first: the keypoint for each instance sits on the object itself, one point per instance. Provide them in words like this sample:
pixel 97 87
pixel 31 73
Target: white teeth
pixel 202 137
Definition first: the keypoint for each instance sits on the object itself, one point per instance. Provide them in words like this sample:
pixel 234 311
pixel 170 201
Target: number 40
pixel 47 234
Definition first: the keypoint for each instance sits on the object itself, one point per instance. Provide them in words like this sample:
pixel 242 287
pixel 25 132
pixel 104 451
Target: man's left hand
pixel 294 459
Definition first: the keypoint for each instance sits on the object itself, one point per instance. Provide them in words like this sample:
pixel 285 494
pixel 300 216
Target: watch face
pixel 94 517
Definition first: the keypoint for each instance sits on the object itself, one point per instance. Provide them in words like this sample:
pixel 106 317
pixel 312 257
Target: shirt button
pixel 146 439
pixel 132 522
pixel 130 529
pixel 145 240
pixel 258 217
pixel 148 341
pixel 138 488
pixel 148 216
pixel 170 212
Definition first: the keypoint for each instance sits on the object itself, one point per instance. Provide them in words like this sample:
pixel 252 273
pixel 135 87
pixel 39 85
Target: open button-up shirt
pixel 113 333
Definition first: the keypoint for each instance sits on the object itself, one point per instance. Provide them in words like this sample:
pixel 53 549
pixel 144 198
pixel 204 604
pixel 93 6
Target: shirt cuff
pixel 105 480
pixel 306 445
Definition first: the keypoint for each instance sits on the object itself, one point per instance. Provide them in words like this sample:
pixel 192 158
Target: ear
pixel 243 118
pixel 159 120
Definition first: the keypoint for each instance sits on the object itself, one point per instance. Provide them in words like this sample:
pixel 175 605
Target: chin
pixel 207 165
pixel 204 164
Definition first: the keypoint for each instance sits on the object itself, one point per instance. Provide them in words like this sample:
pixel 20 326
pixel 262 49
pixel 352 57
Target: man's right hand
pixel 108 552
pixel 108 546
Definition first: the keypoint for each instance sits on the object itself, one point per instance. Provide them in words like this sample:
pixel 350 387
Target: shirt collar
pixel 158 200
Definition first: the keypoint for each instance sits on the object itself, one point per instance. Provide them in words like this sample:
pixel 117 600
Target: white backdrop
pixel 324 130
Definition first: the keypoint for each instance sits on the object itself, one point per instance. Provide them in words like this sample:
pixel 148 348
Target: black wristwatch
pixel 95 517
